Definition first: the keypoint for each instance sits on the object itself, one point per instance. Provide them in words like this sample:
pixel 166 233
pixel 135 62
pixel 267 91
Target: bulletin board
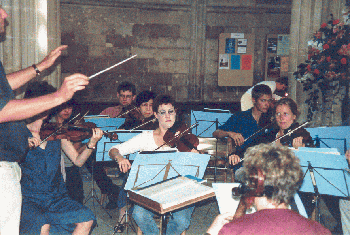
pixel 236 59
pixel 277 56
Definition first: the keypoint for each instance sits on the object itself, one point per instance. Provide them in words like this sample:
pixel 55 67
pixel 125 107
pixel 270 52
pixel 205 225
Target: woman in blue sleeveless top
pixel 46 207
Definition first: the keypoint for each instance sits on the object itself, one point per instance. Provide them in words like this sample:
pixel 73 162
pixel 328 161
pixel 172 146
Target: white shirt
pixel 142 142
pixel 246 99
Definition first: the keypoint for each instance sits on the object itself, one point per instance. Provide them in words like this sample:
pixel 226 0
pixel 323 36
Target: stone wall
pixel 176 43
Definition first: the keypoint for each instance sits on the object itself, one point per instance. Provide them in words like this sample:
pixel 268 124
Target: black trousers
pixel 105 183
pixel 74 184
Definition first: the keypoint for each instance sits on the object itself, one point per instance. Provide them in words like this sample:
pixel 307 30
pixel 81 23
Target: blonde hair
pixel 279 165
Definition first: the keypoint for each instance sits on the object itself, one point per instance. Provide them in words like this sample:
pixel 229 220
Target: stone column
pixel 32 32
pixel 197 51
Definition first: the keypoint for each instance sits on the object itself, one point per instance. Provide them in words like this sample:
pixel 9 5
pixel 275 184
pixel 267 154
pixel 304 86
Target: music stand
pixel 105 144
pixel 92 194
pixel 105 124
pixel 151 168
pixel 322 170
pixel 209 121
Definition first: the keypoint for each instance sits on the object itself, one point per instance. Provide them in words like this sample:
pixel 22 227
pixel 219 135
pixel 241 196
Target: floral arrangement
pixel 326 69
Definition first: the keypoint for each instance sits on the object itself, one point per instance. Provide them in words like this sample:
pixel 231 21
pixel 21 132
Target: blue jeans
pixel 122 192
pixel 178 222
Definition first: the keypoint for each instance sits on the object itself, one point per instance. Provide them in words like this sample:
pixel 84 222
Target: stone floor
pixel 204 213
pixel 202 217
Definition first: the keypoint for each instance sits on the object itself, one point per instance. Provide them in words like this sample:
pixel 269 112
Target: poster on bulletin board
pixel 238 49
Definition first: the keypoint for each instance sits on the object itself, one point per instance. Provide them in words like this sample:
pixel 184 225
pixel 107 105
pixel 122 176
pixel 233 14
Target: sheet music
pixel 223 193
pixel 175 191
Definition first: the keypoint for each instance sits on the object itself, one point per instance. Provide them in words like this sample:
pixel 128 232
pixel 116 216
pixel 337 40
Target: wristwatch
pixel 87 146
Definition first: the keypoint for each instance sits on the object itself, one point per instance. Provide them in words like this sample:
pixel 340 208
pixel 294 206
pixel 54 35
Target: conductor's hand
pixel 124 165
pixel 298 142
pixel 237 137
pixel 234 159
pixel 50 59
pixel 71 84
pixel 219 222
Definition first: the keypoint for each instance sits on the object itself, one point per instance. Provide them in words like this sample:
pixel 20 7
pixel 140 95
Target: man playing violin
pixel 13 132
pixel 243 124
pixel 47 208
pixel 126 94
pixel 165 112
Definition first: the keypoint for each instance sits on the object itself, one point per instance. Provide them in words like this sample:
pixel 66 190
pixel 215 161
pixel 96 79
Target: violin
pixel 293 132
pixel 180 137
pixel 75 133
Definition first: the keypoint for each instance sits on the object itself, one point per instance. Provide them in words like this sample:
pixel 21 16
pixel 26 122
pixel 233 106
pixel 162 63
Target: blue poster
pixel 230 45
pixel 235 62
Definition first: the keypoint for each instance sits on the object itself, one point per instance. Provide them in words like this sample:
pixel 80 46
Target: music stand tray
pixel 171 194
pixel 329 170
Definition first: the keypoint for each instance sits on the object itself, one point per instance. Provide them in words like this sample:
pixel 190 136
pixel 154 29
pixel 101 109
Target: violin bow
pixel 290 132
pixel 126 112
pixel 117 64
pixel 178 136
pixel 152 120
pixel 257 132
pixel 82 116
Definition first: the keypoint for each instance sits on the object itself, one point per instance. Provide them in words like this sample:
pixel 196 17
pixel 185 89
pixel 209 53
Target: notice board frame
pixel 238 77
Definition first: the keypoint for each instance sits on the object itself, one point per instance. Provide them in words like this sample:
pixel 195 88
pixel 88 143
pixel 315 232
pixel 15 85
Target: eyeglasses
pixel 170 112
pixel 126 96
pixel 282 114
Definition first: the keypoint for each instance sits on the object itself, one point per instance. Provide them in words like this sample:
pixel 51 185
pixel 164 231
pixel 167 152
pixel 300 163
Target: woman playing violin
pixel 286 113
pixel 147 121
pixel 46 205
pixel 165 112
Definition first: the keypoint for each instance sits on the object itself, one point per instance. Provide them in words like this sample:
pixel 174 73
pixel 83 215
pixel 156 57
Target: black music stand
pixel 324 174
pixel 93 194
pixel 209 120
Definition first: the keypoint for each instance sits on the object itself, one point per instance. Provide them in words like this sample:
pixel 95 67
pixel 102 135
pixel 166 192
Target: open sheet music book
pixel 171 194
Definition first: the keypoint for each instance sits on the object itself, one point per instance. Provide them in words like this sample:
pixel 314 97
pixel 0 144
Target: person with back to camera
pixel 14 135
pixel 274 177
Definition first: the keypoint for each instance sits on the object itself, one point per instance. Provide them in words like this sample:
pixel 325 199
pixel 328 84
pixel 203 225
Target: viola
pixel 181 138
pixel 74 133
